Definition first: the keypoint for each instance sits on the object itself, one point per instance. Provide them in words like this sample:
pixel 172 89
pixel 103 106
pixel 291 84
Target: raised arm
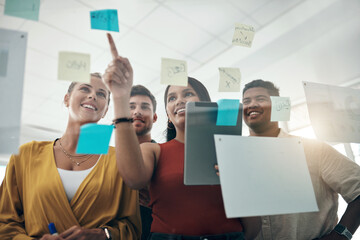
pixel 119 79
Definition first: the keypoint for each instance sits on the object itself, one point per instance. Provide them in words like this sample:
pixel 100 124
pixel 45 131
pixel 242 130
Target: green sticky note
pixel 228 111
pixel 27 9
pixel 94 138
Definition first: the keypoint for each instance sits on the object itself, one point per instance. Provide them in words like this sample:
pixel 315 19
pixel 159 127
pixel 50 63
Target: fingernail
pixel 127 74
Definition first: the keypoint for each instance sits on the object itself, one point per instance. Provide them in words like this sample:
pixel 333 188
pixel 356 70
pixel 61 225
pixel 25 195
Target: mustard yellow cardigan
pixel 32 196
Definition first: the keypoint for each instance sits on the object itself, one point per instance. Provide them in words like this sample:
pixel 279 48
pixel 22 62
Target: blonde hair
pixel 95 74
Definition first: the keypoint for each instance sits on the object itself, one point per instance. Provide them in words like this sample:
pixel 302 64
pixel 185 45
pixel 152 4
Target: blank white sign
pixel 12 61
pixel 334 112
pixel 263 176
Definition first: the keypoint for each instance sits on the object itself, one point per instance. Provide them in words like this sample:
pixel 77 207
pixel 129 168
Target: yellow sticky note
pixel 280 108
pixel 74 67
pixel 173 72
pixel 229 80
pixel 243 35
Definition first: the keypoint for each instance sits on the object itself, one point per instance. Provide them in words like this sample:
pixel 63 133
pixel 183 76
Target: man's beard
pixel 143 131
pixel 254 126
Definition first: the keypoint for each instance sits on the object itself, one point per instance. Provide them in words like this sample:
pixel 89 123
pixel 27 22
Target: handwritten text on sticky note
pixel 229 80
pixel 28 9
pixel 228 111
pixel 243 35
pixel 174 72
pixel 74 67
pixel 94 138
pixel 280 108
pixel 105 20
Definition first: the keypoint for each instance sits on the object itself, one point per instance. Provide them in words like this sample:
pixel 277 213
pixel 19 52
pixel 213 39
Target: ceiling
pixel 295 41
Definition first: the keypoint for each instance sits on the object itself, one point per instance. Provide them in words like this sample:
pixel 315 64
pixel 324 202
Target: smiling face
pixel 87 103
pixel 177 97
pixel 142 112
pixel 257 110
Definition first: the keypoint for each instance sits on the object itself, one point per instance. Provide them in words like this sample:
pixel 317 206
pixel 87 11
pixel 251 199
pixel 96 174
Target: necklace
pixel 86 156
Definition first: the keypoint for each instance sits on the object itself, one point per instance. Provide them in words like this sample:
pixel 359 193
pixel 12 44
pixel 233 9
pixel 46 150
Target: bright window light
pixel 308 132
pixel 2 172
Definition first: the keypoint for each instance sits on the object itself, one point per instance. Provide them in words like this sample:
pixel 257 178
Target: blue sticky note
pixel 94 138
pixel 28 9
pixel 105 20
pixel 228 111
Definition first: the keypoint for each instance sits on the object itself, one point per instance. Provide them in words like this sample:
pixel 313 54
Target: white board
pixel 263 176
pixel 12 62
pixel 334 112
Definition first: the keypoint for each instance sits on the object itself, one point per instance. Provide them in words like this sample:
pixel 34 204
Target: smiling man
pixel 143 111
pixel 331 173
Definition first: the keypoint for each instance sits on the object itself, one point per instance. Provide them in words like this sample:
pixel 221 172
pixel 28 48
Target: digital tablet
pixel 200 152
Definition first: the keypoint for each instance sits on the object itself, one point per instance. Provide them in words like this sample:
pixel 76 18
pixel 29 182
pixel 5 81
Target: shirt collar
pixel 283 134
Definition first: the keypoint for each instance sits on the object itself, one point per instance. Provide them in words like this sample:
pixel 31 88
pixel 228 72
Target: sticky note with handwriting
pixel 280 108
pixel 28 9
pixel 94 138
pixel 228 111
pixel 229 80
pixel 174 72
pixel 243 35
pixel 105 20
pixel 74 67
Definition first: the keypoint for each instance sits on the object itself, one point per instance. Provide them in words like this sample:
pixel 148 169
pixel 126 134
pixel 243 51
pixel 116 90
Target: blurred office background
pixel 295 41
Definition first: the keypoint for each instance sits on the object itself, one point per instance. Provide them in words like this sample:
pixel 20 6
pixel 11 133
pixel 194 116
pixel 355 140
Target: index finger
pixel 113 49
pixel 68 231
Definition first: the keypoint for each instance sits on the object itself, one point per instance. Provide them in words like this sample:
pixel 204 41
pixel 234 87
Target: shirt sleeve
pixel 11 209
pixel 340 173
pixel 127 224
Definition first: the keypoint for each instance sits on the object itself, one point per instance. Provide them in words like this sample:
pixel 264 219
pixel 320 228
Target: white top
pixel 331 173
pixel 72 179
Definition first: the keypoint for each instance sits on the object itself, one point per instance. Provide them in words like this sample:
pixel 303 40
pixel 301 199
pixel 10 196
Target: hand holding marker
pixel 52 229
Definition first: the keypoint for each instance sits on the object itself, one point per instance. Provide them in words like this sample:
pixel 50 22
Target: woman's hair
pixel 96 74
pixel 203 95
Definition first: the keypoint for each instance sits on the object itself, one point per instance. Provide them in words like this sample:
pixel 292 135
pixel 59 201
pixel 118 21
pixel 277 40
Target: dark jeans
pixel 226 236
pixel 146 221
